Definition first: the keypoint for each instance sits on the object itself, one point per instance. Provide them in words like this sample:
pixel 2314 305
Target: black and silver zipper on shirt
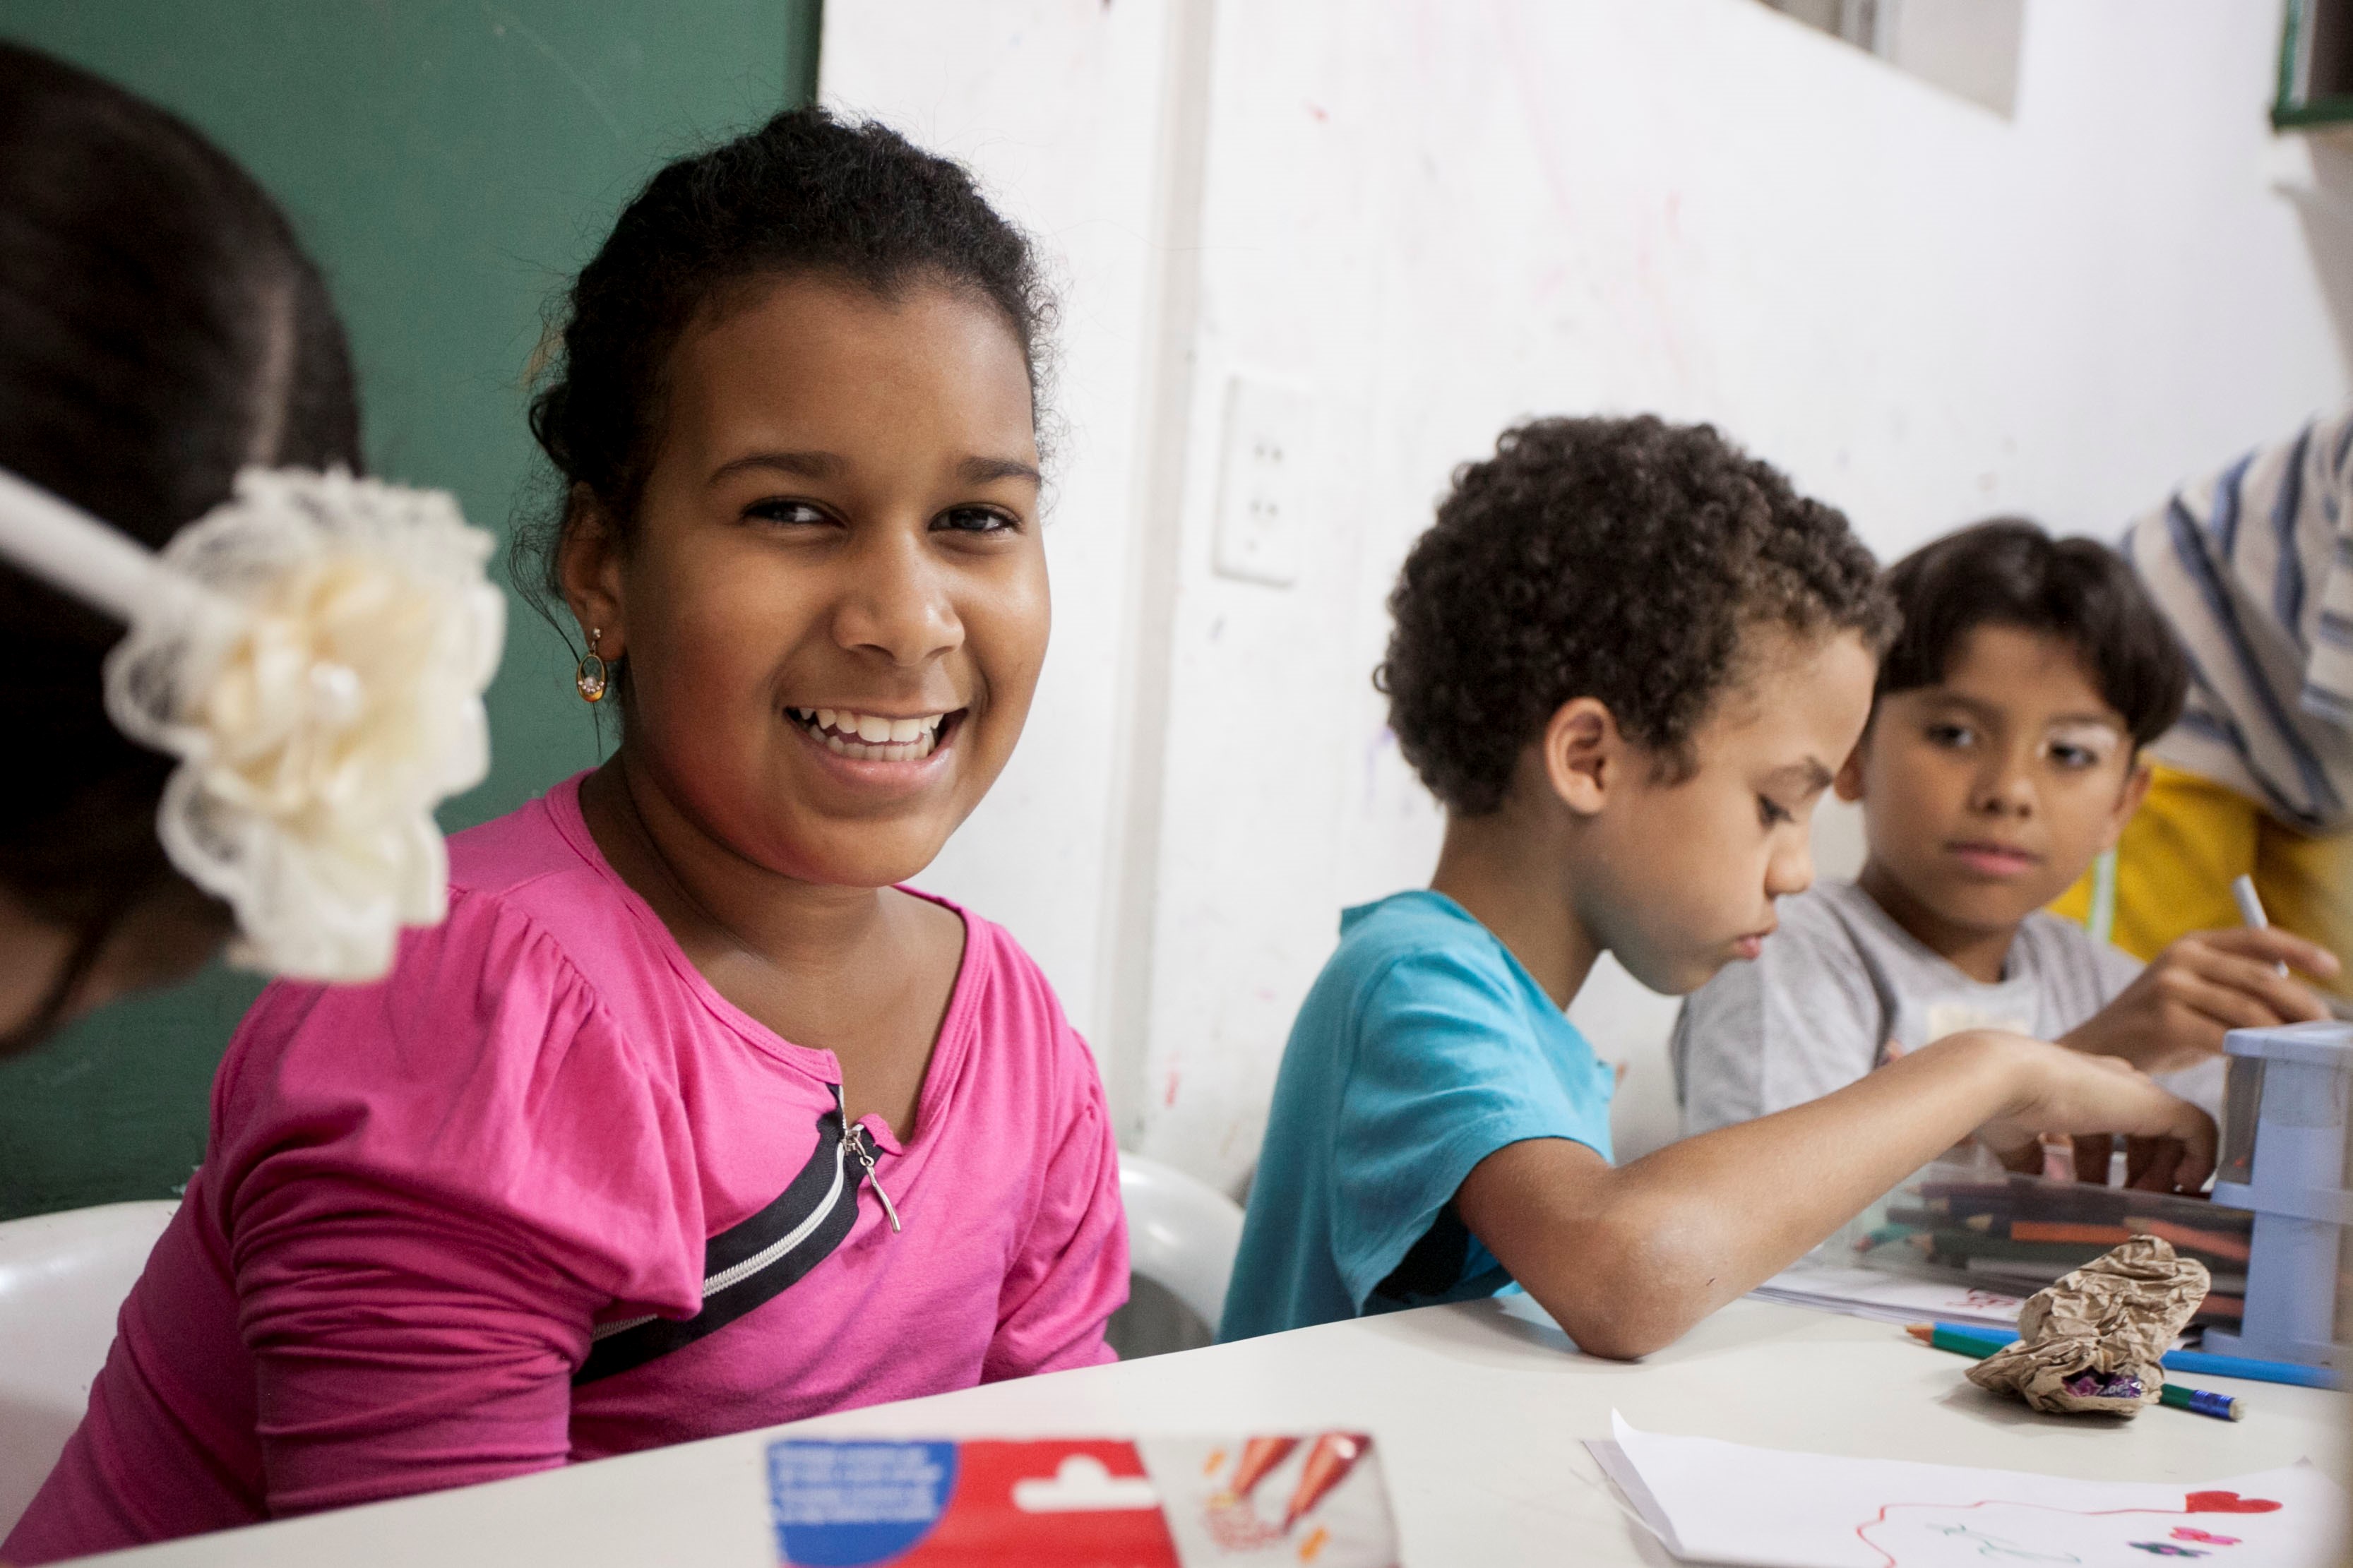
pixel 860 1143
pixel 751 1264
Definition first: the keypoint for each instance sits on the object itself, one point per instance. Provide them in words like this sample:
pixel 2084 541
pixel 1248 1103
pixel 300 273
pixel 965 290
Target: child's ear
pixel 1847 784
pixel 1585 757
pixel 2128 800
pixel 588 565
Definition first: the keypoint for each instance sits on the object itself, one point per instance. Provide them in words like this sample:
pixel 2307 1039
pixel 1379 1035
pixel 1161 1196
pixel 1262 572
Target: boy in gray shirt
pixel 2003 758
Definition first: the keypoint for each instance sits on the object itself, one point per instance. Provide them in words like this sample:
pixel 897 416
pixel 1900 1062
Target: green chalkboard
pixel 449 163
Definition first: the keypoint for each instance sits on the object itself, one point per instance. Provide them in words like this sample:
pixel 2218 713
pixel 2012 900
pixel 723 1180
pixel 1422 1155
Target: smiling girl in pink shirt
pixel 689 1119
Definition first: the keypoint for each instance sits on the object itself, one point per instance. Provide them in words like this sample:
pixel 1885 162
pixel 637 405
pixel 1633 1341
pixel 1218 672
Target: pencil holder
pixel 2284 1157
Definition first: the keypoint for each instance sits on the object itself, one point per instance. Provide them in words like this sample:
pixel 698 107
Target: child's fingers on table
pixel 2106 1094
pixel 2092 1152
pixel 2152 1164
pixel 2193 1131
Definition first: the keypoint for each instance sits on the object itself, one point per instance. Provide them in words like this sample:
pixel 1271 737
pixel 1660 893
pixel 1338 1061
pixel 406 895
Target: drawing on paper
pixel 1984 1534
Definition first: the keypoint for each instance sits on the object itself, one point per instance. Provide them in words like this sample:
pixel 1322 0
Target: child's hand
pixel 2063 1090
pixel 2207 984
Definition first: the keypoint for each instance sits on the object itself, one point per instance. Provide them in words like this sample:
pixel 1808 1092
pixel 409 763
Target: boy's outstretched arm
pixel 1626 1259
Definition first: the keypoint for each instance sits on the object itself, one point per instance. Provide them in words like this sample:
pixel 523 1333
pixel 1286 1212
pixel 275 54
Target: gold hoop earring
pixel 590 675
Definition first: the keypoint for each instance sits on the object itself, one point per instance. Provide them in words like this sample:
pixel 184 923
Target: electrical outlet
pixel 1262 485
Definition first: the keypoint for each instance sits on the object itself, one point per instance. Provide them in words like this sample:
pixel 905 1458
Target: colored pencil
pixel 2252 1369
pixel 2251 910
pixel 2023 1274
pixel 2201 1402
pixel 1879 1235
pixel 2188 1239
pixel 2035 1198
pixel 1958 1246
pixel 2233 1248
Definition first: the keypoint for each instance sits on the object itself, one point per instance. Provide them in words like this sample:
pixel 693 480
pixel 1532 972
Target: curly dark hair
pixel 804 193
pixel 2008 572
pixel 1616 559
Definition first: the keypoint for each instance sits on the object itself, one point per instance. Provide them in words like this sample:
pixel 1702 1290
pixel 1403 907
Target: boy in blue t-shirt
pixel 1627 660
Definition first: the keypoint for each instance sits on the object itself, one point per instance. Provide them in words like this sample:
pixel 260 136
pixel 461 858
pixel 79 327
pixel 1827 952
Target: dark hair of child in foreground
pixel 160 330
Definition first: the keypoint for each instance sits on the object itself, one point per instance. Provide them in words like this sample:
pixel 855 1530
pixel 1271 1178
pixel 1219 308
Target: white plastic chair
pixel 62 1280
pixel 1182 1234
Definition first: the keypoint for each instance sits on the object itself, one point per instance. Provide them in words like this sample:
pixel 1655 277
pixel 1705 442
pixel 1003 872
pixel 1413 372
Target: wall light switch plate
pixel 1263 480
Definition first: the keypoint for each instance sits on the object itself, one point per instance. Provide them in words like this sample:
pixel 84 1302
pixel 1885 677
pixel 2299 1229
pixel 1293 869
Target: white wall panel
pixel 1444 217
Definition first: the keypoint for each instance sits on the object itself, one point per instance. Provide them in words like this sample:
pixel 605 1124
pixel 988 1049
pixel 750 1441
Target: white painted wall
pixel 1444 217
pixel 1055 105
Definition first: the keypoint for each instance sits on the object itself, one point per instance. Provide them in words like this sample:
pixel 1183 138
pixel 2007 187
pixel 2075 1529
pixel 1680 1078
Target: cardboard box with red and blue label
pixel 1313 1500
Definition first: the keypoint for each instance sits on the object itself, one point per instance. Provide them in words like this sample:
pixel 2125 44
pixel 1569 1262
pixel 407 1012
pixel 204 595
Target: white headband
pixel 315 651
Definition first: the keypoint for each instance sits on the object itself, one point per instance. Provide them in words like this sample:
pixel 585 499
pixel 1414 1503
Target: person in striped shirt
pixel 2254 566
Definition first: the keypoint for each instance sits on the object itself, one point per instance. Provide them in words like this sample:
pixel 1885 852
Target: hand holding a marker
pixel 2205 985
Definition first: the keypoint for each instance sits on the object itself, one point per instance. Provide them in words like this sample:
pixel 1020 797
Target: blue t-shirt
pixel 1422 1049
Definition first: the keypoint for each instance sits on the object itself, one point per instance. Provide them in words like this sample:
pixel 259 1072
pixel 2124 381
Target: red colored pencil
pixel 1260 1455
pixel 1328 1464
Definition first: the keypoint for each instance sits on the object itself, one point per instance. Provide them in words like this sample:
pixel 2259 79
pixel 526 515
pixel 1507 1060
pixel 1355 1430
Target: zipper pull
pixel 856 1138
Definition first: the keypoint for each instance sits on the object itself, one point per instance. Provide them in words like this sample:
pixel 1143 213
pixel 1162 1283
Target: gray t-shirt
pixel 1839 981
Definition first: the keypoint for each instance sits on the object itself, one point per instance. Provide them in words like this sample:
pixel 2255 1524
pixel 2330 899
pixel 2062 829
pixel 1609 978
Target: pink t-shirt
pixel 425 1201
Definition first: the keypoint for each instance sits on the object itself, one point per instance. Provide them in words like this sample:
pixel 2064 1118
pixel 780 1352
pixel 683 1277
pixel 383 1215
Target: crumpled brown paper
pixel 2091 1342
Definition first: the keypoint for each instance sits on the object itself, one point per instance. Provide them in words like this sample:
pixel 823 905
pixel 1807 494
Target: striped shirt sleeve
pixel 2329 682
pixel 2254 566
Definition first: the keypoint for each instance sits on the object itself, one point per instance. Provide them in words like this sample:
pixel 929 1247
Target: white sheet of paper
pixel 1889 1298
pixel 1714 1501
pixel 1853 1292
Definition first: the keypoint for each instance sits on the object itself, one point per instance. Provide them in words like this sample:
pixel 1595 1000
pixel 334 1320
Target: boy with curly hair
pixel 1627 659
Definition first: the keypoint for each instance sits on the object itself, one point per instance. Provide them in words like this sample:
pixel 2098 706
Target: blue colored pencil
pixel 2201 1361
pixel 2252 1368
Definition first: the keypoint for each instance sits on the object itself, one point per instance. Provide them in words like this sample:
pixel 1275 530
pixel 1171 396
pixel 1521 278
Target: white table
pixel 1479 1415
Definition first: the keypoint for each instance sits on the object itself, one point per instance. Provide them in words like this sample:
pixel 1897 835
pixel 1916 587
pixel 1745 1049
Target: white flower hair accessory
pixel 315 651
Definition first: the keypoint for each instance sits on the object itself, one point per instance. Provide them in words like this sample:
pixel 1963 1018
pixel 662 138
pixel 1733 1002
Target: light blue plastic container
pixel 2284 1157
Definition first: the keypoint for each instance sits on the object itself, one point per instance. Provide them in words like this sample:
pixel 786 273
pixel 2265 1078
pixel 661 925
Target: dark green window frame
pixel 2294 107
